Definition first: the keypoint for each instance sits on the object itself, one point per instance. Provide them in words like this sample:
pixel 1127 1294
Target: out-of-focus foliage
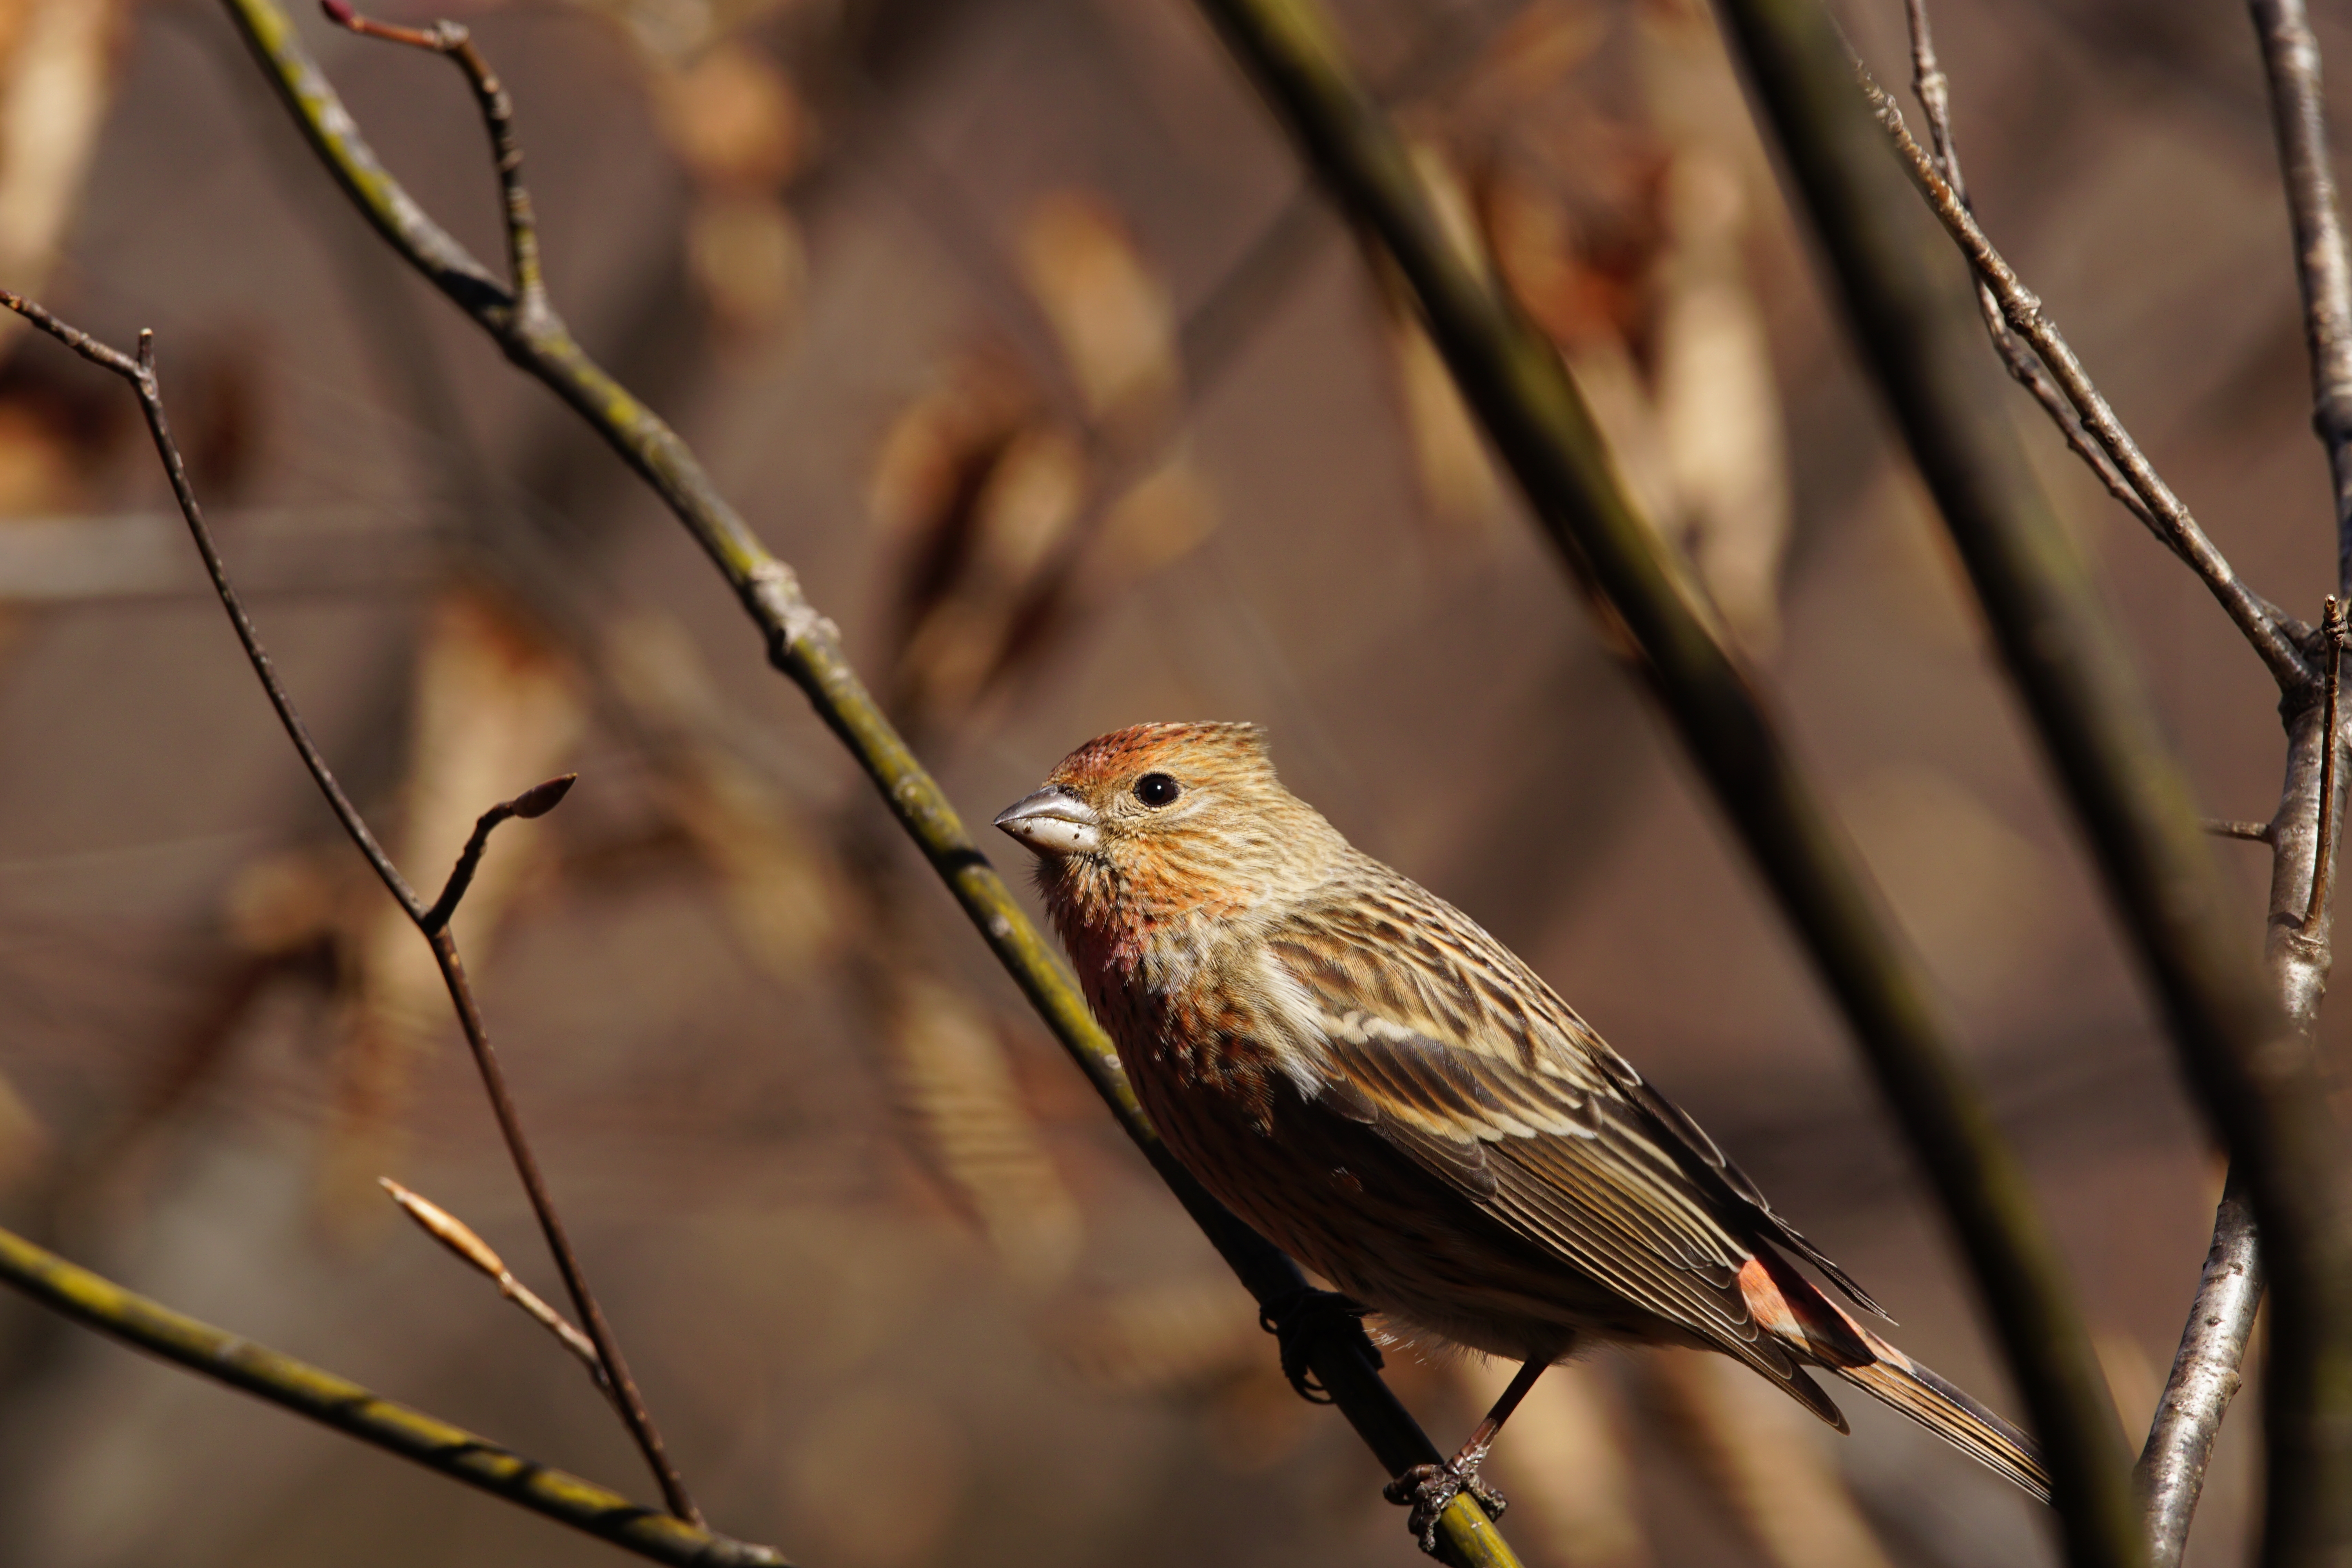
pixel 1006 323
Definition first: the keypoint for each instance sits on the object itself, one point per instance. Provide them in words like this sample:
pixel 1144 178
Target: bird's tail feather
pixel 1897 1380
pixel 1788 1305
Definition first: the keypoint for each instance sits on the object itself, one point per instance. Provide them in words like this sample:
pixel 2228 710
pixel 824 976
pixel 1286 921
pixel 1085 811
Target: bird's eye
pixel 1156 789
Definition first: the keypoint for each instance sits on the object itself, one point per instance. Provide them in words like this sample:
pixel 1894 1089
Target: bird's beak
pixel 1052 822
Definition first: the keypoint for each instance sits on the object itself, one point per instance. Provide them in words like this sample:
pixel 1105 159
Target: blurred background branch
pixel 1010 321
pixel 1523 395
pixel 2259 1085
pixel 805 645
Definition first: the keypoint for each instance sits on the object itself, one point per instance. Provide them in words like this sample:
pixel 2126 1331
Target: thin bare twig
pixel 626 1399
pixel 2298 112
pixel 1933 89
pixel 2273 636
pixel 356 1412
pixel 806 647
pixel 2237 827
pixel 535 801
pixel 2206 1374
pixel 433 921
pixel 468 1245
pixel 2261 1092
pixel 454 41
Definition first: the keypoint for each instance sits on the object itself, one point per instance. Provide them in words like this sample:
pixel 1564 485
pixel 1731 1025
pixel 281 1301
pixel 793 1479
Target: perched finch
pixel 1391 1096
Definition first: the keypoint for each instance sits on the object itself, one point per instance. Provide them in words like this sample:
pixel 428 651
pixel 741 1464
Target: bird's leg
pixel 1298 1317
pixel 1429 1488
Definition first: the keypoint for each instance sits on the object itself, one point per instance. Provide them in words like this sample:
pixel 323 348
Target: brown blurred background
pixel 1009 323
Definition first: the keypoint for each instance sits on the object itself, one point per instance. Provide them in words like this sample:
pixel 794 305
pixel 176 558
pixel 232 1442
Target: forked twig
pixel 2273 636
pixel 454 42
pixel 312 1392
pixel 2207 1369
pixel 806 647
pixel 535 801
pixel 432 922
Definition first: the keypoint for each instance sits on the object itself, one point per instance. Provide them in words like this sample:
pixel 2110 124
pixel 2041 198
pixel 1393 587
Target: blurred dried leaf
pixel 1459 486
pixel 495 707
pixel 746 256
pixel 26 1145
pixel 1646 294
pixel 1165 1337
pixel 781 888
pixel 1536 50
pixel 673 34
pixel 1767 1457
pixel 1028 505
pixel 56 81
pixel 1025 509
pixel 40 473
pixel 1110 311
pixel 286 901
pixel 1581 263
pixel 1167 515
pixel 963 1106
pixel 1718 406
pixel 983 497
pixel 875 1438
pixel 1562 1464
pixel 938 453
pixel 734 121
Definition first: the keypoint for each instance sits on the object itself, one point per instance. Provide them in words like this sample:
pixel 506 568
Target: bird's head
pixel 1159 819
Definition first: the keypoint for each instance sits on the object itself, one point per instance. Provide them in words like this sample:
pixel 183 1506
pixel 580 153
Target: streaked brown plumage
pixel 1391 1096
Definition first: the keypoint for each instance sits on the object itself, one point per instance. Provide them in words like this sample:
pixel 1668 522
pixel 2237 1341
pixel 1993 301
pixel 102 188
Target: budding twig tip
pixel 543 799
pixel 338 12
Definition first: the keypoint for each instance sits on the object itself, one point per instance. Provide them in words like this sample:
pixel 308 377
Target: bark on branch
pixel 432 924
pixel 806 647
pixel 2256 1082
pixel 343 1404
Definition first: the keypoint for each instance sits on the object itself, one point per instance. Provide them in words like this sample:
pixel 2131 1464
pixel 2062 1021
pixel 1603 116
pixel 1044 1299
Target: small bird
pixel 1388 1094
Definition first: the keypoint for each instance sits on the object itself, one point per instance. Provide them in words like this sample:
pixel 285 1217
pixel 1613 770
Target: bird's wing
pixel 1436 1035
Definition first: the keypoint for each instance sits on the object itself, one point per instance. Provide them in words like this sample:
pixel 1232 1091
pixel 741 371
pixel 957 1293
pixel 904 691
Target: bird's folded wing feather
pixel 1437 1035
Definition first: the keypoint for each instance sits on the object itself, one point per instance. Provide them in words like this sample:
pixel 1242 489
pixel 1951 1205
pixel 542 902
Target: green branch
pixel 339 1403
pixel 1907 301
pixel 806 647
pixel 1513 379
